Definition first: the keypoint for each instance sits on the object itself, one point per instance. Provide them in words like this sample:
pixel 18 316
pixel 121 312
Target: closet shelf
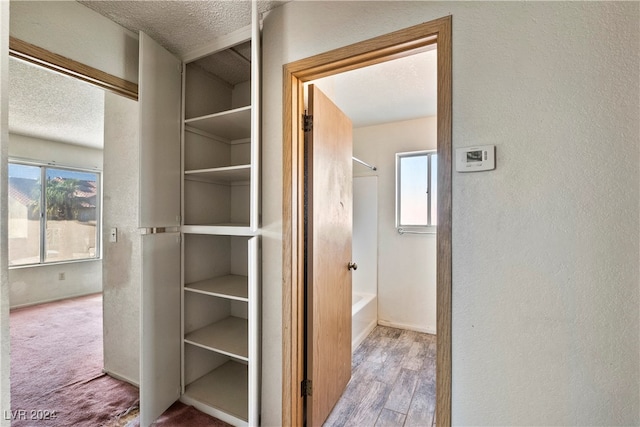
pixel 230 125
pixel 223 229
pixel 225 388
pixel 228 336
pixel 223 174
pixel 231 287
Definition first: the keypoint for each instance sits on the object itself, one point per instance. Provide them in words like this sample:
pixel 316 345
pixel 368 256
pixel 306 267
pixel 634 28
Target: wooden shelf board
pixel 214 412
pixel 231 125
pixel 225 229
pixel 229 336
pixel 224 388
pixel 231 286
pixel 223 174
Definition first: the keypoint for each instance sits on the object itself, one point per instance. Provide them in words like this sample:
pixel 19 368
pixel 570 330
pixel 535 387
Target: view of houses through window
pixel 53 214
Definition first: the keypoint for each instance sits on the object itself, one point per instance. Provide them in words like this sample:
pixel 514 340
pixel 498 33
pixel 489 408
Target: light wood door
pixel 159 206
pixel 329 228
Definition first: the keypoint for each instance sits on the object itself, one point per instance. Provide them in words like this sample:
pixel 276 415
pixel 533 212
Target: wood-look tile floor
pixel 392 382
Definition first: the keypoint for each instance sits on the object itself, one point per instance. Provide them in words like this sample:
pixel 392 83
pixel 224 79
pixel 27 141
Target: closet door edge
pixel 254 329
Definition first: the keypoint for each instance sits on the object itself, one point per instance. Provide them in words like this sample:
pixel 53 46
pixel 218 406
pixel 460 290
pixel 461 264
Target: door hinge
pixel 307 123
pixel 307 387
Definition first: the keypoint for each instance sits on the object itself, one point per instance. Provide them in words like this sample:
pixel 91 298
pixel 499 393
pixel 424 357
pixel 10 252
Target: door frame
pixel 390 46
pixel 58 63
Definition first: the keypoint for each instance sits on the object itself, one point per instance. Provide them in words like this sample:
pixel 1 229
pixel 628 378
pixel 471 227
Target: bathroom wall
pixel 406 263
pixel 365 234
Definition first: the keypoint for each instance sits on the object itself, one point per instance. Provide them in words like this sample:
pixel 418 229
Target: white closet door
pixel 161 331
pixel 159 97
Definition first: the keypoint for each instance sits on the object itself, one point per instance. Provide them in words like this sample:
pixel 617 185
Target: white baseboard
pixel 427 330
pixel 62 298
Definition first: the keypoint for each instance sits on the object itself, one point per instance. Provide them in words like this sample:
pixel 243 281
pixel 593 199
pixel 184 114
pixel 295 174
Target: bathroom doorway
pixel 401 43
pixel 393 291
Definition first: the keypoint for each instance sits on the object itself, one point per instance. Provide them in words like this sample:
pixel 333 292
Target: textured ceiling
pixel 49 105
pixel 181 26
pixel 398 90
pixel 401 89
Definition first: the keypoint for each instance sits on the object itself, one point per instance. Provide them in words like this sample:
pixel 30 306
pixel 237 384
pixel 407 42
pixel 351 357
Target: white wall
pixel 75 31
pixel 28 148
pixel 406 263
pixel 38 284
pixel 545 248
pixel 121 260
pixel 545 286
pixel 364 280
pixel 5 338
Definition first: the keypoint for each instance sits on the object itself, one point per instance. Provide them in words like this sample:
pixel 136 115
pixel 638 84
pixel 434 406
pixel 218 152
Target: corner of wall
pixel 120 267
pixel 5 396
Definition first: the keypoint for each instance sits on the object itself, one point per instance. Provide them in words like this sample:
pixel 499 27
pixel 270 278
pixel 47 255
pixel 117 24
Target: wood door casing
pixel 60 64
pixel 379 49
pixel 329 229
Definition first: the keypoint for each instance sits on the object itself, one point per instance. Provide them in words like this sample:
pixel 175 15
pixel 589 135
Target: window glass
pixel 416 189
pixel 24 214
pixel 414 207
pixel 433 167
pixel 53 214
pixel 71 201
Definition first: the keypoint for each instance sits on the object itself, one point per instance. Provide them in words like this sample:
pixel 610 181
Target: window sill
pixel 48 264
pixel 417 230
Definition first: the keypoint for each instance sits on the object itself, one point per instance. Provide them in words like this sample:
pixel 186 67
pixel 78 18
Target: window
pixel 53 214
pixel 417 190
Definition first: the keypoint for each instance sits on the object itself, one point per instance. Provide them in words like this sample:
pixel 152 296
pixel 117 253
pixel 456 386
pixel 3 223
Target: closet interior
pixel 220 230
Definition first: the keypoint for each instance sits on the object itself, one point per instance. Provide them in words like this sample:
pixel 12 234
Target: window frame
pixel 430 226
pixel 43 166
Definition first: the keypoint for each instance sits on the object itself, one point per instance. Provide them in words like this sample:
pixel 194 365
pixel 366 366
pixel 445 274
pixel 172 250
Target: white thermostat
pixel 475 159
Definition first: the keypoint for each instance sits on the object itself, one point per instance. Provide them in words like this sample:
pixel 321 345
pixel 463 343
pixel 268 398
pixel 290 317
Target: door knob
pixel 352 266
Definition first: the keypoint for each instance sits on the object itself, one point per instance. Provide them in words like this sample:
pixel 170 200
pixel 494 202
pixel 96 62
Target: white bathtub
pixel 364 317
